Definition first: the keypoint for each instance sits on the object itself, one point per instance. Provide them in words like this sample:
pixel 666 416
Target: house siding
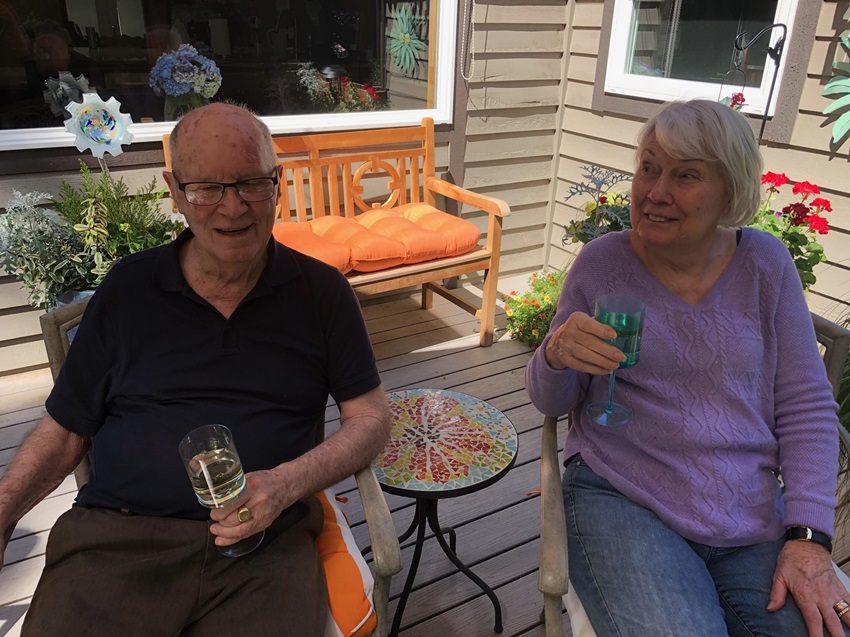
pixel 514 98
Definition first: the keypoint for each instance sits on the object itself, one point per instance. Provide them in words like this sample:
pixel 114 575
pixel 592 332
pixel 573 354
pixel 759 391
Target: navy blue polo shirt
pixel 152 360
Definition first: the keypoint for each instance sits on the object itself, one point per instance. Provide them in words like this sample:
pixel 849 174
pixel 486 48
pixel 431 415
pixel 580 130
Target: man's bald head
pixel 238 129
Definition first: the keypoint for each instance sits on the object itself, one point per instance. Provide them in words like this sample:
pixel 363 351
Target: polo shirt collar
pixel 281 265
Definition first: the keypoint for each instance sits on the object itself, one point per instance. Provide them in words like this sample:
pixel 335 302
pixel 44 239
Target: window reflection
pixel 277 56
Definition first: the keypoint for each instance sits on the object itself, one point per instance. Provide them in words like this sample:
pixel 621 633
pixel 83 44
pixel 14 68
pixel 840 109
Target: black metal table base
pixel 426 516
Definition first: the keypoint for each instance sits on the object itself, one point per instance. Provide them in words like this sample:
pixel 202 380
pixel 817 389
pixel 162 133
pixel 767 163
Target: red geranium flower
pixel 371 91
pixel 818 224
pixel 799 213
pixel 775 179
pixel 805 188
pixel 823 205
pixel 603 199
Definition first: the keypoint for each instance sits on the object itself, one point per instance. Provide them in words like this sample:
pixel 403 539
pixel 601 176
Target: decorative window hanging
pixel 405 47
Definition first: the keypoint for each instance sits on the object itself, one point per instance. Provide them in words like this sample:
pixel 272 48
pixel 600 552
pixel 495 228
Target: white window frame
pixel 618 82
pixel 26 138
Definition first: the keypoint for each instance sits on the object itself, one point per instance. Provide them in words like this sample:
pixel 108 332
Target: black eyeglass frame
pixel 224 186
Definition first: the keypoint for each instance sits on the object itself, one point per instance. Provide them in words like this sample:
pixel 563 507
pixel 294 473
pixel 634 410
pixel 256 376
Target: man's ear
pixel 281 184
pixel 172 183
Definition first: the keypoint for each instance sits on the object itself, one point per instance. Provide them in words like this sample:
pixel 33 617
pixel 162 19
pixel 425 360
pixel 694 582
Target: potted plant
pixel 70 244
pixel 530 313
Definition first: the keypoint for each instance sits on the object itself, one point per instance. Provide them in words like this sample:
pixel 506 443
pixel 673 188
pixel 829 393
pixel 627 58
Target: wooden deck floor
pixel 497 528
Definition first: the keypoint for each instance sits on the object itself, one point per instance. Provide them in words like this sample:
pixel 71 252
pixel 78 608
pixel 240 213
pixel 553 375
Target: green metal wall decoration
pixel 404 46
pixel 839 86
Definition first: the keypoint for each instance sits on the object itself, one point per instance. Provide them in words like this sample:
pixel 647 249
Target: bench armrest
pixel 553 530
pixel 382 534
pixel 490 205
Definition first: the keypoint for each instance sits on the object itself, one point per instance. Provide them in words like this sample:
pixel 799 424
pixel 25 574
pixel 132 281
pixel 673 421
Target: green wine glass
pixel 625 314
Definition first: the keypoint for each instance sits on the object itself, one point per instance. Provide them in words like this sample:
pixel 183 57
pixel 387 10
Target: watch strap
pixel 808 535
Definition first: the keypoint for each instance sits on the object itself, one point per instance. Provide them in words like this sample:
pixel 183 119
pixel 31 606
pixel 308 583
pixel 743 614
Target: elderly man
pixel 224 325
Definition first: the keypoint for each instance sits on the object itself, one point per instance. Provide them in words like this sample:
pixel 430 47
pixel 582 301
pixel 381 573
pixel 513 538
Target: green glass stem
pixel 609 408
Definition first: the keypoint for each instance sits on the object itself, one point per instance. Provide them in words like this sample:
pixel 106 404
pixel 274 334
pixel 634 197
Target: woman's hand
pixel 804 569
pixel 265 496
pixel 579 344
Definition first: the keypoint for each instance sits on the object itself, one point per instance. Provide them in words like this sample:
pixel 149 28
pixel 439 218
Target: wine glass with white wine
pixel 216 474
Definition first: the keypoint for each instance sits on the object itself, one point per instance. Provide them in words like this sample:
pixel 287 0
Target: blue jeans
pixel 636 577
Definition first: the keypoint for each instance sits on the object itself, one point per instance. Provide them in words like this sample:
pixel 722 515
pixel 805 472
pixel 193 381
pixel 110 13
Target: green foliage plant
pixel 839 87
pixel 73 243
pixel 530 313
pixel 606 211
pixel 41 249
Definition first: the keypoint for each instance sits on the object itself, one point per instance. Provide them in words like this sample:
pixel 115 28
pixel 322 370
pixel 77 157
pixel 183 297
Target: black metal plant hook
pixel 774 53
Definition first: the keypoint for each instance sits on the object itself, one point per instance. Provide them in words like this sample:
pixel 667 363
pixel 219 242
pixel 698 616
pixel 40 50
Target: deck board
pixel 498 528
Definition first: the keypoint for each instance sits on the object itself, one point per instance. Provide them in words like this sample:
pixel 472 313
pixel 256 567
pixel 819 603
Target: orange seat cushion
pixel 300 237
pixel 420 244
pixel 369 251
pixel 349 581
pixel 461 235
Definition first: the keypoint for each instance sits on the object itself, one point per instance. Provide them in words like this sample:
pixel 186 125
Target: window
pixel 303 65
pixel 680 49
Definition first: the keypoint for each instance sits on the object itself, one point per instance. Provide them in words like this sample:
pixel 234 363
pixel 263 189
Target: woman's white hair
pixel 713 132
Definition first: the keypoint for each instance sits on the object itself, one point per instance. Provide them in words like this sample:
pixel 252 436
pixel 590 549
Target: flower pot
pixel 176 106
pixel 66 298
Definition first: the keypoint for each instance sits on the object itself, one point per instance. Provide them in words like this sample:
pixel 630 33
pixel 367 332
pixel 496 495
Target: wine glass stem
pixel 609 408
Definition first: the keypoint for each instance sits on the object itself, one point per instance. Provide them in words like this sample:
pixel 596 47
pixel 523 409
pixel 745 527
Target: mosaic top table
pixel 443 444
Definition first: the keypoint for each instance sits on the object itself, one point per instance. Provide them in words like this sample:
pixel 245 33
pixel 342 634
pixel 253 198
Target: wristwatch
pixel 808 535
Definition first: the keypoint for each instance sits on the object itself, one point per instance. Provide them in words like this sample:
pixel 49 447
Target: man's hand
pixel 363 431
pixel 804 569
pixel 267 494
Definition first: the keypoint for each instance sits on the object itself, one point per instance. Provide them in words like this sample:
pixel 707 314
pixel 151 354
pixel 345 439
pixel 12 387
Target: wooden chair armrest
pixel 385 549
pixel 553 578
pixel 490 205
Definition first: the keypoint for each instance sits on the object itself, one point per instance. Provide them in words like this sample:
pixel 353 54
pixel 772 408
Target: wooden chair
pixel 382 534
pixel 553 580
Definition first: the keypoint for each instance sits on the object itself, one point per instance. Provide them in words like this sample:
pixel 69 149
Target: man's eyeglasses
pixel 208 193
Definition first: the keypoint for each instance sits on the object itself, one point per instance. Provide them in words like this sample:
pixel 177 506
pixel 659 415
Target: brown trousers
pixel 108 574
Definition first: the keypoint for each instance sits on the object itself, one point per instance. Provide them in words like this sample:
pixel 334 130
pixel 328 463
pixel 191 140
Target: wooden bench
pixel 345 174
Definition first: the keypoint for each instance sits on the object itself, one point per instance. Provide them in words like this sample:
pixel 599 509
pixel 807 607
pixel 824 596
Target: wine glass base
pixel 617 416
pixel 243 547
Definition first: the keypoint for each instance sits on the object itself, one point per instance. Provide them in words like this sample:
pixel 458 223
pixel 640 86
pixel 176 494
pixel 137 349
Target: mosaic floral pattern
pixel 444 440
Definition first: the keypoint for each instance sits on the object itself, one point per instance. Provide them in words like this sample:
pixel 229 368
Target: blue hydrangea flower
pixel 185 71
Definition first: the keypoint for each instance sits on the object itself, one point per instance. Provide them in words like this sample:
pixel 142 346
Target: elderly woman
pixel 677 522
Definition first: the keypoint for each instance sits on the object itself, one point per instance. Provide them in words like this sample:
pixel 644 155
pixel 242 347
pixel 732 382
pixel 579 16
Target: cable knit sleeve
pixel 556 392
pixel 804 410
pixel 553 391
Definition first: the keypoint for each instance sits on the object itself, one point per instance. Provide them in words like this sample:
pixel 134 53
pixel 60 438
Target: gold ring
pixel 841 607
pixel 244 514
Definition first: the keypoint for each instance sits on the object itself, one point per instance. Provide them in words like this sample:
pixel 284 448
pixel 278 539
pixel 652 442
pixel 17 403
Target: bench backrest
pixel 340 173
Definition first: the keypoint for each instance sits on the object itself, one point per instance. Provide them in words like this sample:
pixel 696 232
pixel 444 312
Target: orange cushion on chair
pixel 300 237
pixel 461 235
pixel 350 583
pixel 369 250
pixel 420 244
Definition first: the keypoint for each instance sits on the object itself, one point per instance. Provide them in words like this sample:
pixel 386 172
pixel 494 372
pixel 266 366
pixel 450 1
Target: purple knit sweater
pixel 725 393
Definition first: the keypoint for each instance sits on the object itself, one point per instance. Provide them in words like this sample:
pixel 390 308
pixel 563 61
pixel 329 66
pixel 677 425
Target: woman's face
pixel 676 203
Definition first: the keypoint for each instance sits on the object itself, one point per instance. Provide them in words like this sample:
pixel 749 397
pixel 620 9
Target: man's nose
pixel 231 198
